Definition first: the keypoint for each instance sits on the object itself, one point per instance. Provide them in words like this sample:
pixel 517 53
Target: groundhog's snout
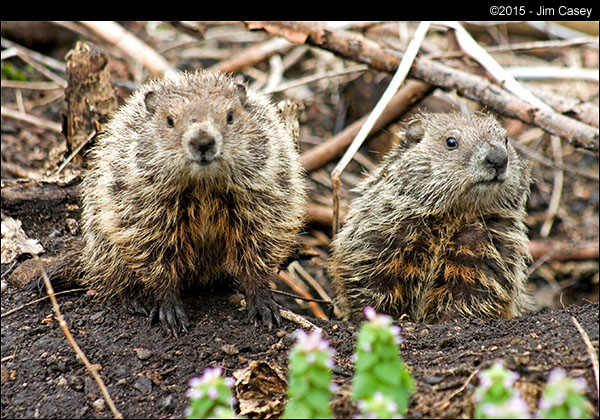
pixel 203 146
pixel 496 161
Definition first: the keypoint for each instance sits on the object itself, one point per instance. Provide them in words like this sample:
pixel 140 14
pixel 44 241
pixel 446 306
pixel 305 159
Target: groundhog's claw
pixel 261 304
pixel 171 315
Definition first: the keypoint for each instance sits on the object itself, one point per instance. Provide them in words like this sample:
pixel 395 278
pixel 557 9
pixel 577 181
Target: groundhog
pixel 438 230
pixel 195 180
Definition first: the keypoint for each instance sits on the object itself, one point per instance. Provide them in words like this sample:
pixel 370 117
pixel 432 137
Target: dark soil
pixel 147 372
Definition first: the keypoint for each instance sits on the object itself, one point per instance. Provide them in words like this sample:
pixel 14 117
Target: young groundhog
pixel 438 230
pixel 195 180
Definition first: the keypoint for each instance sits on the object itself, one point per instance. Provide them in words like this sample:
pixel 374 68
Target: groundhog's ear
pixel 414 131
pixel 151 102
pixel 241 88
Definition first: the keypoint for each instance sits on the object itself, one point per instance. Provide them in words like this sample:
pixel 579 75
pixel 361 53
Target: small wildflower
pixel 210 395
pixel 379 366
pixel 563 397
pixel 309 381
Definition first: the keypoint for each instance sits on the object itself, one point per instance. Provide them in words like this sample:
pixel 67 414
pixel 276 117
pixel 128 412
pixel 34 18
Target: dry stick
pixel 399 76
pixel 564 251
pixel 43 70
pixel 31 119
pixel 535 45
pixel 316 309
pixel 63 325
pixel 319 155
pixel 533 155
pixel 315 285
pixel 298 319
pixel 458 391
pixel 470 46
pixel 358 48
pixel 559 176
pixel 591 352
pixel 254 54
pixel 130 44
pixel 33 302
pixel 316 77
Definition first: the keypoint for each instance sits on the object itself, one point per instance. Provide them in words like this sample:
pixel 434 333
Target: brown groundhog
pixel 196 180
pixel 438 230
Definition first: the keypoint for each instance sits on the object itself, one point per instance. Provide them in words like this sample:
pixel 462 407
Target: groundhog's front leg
pixel 259 300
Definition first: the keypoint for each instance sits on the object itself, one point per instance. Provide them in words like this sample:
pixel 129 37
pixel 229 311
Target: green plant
pixel 310 367
pixel 378 406
pixel 496 397
pixel 563 397
pixel 379 367
pixel 210 396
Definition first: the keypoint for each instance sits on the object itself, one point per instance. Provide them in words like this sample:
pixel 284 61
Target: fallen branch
pixel 33 302
pixel 65 328
pixel 365 129
pixel 121 38
pixel 254 54
pixel 564 251
pixel 319 155
pixel 358 48
pixel 316 309
pixel 32 119
pixel 591 352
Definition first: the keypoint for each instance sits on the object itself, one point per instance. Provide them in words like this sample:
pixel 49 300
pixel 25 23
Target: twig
pixel 57 79
pixel 254 54
pixel 7 358
pixel 364 50
pixel 33 120
pixel 33 302
pixel 552 73
pixel 130 44
pixel 44 59
pixel 459 390
pixel 316 77
pixel 319 155
pixel 591 352
pixel 63 325
pixel 470 46
pixel 559 176
pixel 315 285
pixel 73 153
pixel 399 76
pixel 564 251
pixel 533 155
pixel 316 309
pixel 15 84
pixel 298 319
pixel 521 46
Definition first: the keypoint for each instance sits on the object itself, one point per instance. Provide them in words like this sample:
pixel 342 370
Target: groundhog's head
pixel 206 121
pixel 461 162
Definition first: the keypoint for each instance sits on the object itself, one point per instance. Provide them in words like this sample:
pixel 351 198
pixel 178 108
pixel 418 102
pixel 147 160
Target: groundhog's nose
pixel 496 159
pixel 202 143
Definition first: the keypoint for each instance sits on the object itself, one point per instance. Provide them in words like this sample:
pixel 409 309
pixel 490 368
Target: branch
pixel 358 48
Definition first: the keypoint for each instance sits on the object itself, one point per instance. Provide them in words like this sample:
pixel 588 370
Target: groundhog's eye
pixel 451 143
pixel 229 116
pixel 170 121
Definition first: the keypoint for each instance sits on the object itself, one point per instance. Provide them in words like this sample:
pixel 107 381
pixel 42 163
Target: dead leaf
pixel 260 390
pixel 15 242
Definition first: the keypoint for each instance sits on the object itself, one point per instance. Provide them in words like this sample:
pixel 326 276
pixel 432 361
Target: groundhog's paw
pixel 171 315
pixel 261 305
pixel 136 307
